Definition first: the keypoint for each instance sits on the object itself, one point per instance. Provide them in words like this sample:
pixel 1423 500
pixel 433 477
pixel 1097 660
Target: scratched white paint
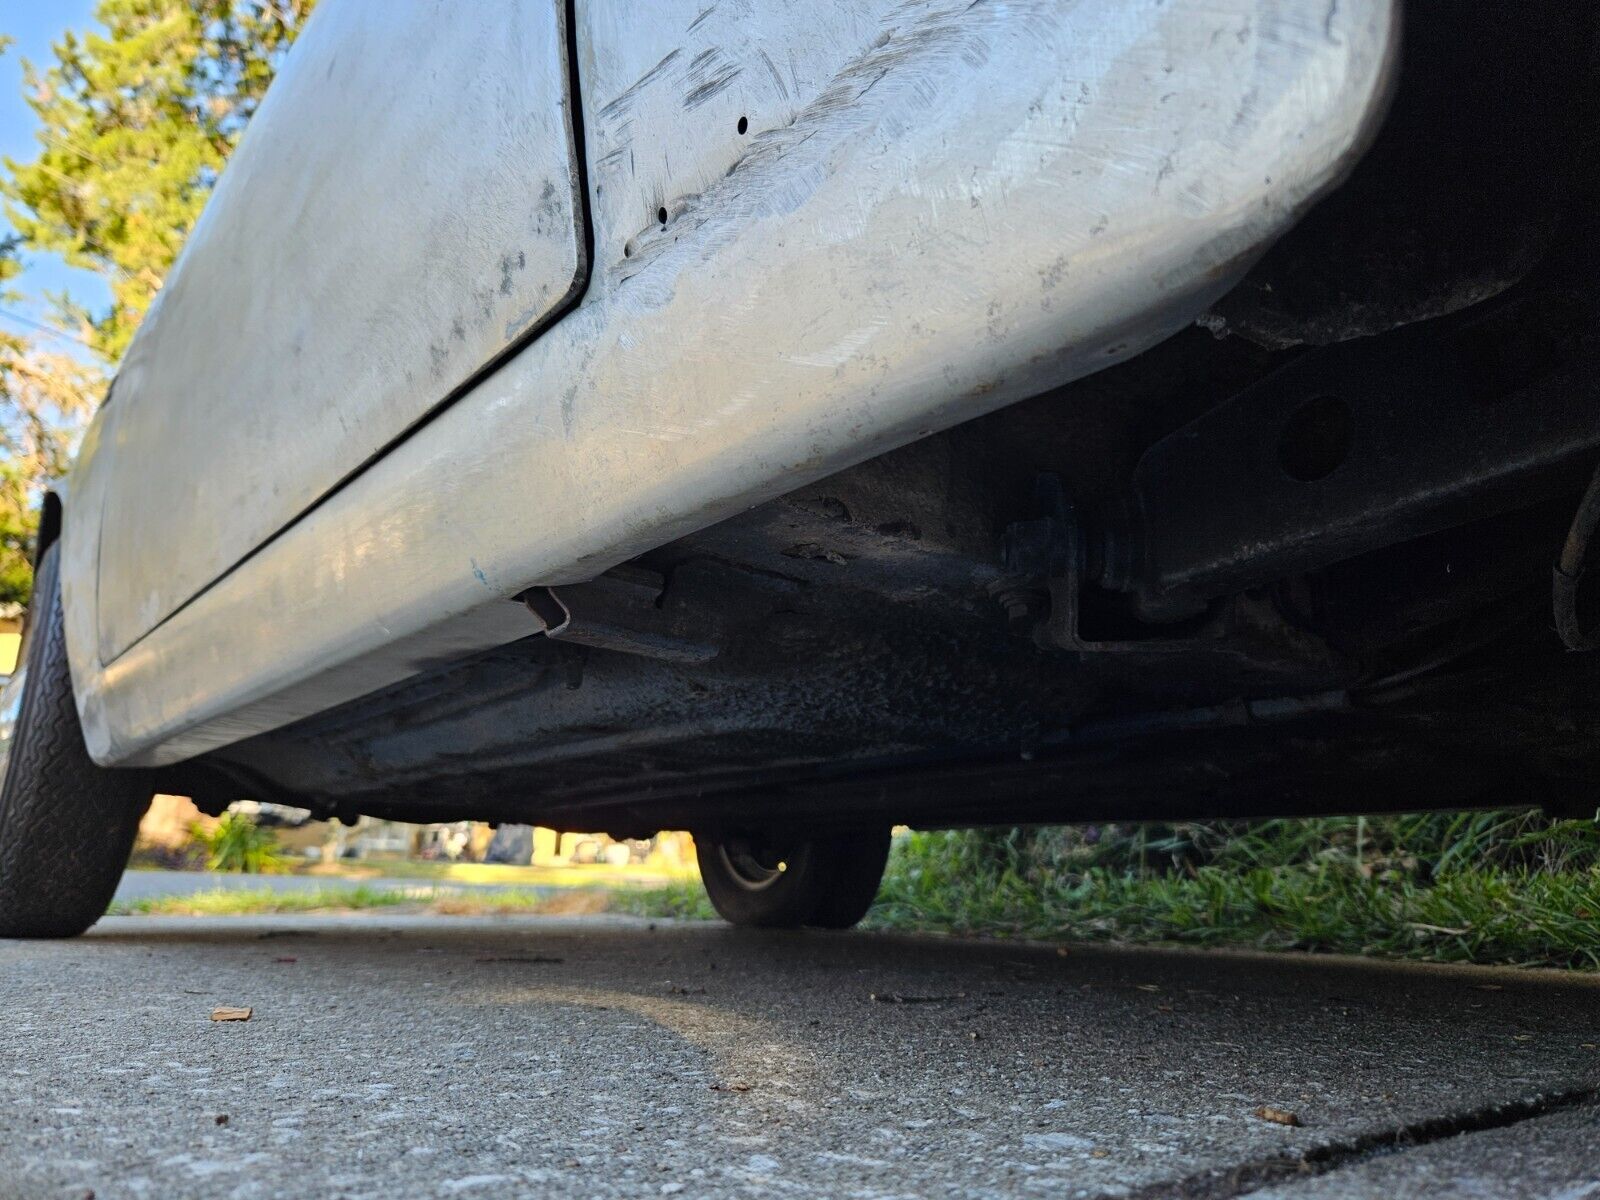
pixel 946 207
pixel 402 207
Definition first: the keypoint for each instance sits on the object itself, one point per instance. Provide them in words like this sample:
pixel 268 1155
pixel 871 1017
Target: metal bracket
pixel 1045 561
pixel 1366 444
pixel 619 612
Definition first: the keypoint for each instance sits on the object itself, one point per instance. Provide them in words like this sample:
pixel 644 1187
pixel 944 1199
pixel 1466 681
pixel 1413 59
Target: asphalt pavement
pixel 404 1056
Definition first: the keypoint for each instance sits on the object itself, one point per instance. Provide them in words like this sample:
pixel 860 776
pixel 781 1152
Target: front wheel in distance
pixel 782 882
pixel 66 825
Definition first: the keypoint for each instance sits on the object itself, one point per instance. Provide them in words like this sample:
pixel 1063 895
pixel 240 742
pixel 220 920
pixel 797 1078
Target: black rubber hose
pixel 1569 572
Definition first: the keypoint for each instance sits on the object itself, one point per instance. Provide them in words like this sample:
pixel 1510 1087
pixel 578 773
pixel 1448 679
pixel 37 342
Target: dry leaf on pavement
pixel 1278 1116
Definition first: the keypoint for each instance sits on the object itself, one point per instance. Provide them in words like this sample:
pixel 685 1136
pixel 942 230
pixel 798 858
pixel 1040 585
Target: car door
pixel 403 211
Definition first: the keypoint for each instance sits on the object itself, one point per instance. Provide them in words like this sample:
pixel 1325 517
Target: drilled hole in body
pixel 744 124
pixel 661 215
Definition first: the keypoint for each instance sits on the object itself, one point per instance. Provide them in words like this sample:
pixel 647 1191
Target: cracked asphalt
pixel 533 1056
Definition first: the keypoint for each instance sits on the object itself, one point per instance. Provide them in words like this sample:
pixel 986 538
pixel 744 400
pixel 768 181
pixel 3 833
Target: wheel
pixel 782 883
pixel 66 825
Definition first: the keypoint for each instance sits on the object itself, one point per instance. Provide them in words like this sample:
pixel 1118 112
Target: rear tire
pixel 769 882
pixel 66 825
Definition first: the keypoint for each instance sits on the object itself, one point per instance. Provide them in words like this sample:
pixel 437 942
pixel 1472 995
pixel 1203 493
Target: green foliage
pixel 237 843
pixel 1507 887
pixel 135 121
pixel 684 899
pixel 1418 845
pixel 45 398
pixel 19 525
pixel 233 902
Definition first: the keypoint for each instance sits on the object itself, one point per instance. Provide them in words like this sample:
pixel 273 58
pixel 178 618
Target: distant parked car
pixel 784 420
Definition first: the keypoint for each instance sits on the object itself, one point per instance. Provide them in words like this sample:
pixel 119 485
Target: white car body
pixel 433 344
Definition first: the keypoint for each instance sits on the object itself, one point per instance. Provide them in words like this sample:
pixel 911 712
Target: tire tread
pixel 66 824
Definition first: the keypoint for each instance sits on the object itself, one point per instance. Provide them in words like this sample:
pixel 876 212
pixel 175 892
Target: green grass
pixel 681 898
pixel 1496 887
pixel 232 902
pixel 1499 887
pixel 684 899
pixel 500 873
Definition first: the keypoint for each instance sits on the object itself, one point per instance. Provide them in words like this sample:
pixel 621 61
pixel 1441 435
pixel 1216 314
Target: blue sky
pixel 35 24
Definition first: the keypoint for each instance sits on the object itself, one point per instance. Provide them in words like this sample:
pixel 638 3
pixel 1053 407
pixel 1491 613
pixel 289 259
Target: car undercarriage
pixel 1297 559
